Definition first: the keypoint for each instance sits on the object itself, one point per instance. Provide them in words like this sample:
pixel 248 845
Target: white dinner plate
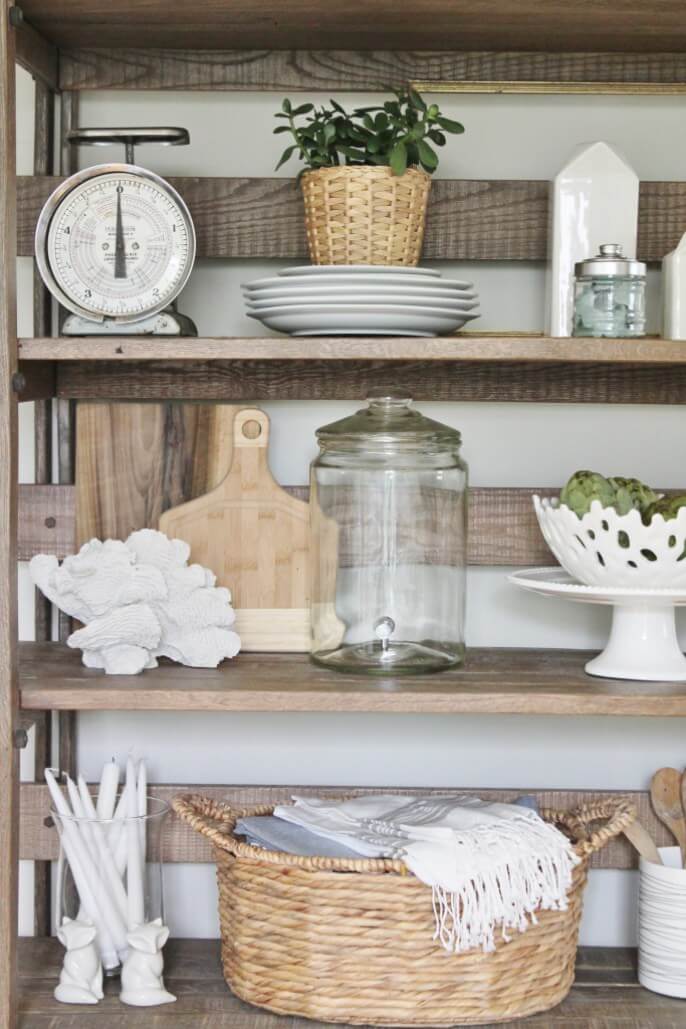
pixel 361 320
pixel 377 300
pixel 358 279
pixel 331 291
pixel 352 269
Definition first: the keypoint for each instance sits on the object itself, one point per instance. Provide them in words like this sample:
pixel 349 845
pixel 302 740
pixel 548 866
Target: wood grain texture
pixel 36 55
pixel 181 844
pixel 295 70
pixel 503 530
pixel 242 381
pixel 486 348
pixel 47 520
pixel 468 219
pixel 605 995
pixel 133 461
pixel 255 538
pixel 9 761
pixel 493 681
pixel 397 24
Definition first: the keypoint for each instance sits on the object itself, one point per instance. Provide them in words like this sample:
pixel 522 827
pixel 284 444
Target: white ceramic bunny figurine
pixel 81 975
pixel 141 975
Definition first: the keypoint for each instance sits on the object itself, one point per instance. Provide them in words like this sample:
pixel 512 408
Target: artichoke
pixel 631 493
pixel 583 488
pixel 668 507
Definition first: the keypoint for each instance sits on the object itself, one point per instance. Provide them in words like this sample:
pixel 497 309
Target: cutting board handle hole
pixel 252 429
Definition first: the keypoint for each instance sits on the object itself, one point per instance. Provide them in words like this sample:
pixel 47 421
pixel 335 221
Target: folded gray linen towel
pixel 272 833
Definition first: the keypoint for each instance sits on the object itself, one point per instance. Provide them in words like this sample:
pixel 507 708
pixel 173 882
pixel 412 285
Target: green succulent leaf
pixel 416 100
pixel 286 106
pixel 287 154
pixel 398 159
pixel 427 156
pixel 449 125
pixel 303 109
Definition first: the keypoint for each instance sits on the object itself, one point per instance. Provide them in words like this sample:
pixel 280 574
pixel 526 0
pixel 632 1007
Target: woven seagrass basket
pixel 365 215
pixel 352 940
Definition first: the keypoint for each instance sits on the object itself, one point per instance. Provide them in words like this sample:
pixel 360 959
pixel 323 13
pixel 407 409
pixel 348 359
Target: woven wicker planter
pixel 351 941
pixel 360 215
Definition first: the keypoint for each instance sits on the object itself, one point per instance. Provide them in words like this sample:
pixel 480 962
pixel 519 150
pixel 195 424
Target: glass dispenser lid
pixel 388 420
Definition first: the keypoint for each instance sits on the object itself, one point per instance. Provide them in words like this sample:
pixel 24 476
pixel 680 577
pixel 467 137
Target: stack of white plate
pixel 361 300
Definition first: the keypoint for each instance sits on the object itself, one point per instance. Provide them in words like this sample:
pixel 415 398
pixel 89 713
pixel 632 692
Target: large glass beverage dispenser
pixel 388 508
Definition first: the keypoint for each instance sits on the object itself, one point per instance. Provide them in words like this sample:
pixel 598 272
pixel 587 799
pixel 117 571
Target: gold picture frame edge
pixel 534 87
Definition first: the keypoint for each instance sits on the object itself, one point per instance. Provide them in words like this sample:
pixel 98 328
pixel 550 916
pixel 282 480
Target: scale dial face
pixel 115 241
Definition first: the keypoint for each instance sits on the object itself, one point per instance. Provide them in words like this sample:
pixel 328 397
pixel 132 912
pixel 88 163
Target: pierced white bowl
pixel 604 548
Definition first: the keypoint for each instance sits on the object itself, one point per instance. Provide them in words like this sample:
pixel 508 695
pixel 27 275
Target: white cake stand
pixel 643 643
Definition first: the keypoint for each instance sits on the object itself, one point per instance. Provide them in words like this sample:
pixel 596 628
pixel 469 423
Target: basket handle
pixel 213 818
pixel 617 815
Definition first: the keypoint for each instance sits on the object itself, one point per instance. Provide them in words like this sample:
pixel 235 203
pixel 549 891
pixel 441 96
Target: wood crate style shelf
pixel 396 24
pixel 466 367
pixel 605 993
pixel 494 681
pixel 483 46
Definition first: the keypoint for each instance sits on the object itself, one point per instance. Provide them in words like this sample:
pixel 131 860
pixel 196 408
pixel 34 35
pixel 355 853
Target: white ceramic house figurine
pixel 674 292
pixel 141 975
pixel 140 600
pixel 594 200
pixel 81 975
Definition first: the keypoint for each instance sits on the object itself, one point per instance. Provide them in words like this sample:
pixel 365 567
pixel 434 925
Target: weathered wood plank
pixel 182 844
pixel 294 70
pixel 47 520
pixel 36 380
pixel 503 530
pixel 9 763
pixel 489 347
pixel 244 382
pixel 36 55
pixel 468 220
pixel 605 994
pixel 492 681
pixel 421 25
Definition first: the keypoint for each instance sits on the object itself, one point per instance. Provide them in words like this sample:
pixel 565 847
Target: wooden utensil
pixel 665 795
pixel 255 538
pixel 640 838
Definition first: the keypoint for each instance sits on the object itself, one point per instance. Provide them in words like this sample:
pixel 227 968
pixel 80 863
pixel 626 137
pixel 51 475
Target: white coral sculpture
pixel 140 600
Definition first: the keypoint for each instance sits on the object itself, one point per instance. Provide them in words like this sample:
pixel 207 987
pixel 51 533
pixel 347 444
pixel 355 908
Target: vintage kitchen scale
pixel 115 243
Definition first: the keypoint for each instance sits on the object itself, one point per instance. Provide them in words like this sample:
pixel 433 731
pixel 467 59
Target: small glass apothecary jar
pixel 609 295
pixel 388 547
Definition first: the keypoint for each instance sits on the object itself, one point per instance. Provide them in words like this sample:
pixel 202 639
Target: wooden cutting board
pixel 135 460
pixel 255 538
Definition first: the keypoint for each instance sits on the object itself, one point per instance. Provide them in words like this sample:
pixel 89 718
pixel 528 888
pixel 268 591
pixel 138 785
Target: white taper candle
pixel 134 867
pixel 107 794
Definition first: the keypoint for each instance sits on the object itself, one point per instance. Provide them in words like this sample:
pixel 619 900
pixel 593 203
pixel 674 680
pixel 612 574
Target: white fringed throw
pixel 489 865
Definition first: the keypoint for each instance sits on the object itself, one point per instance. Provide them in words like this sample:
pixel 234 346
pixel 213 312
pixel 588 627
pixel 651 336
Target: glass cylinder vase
pixel 110 874
pixel 388 510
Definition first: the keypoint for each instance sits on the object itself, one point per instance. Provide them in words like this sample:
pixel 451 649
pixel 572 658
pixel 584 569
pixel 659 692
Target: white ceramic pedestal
pixel 642 645
pixel 643 642
pixel 594 200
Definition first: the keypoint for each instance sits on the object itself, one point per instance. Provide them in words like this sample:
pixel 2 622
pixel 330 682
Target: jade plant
pixel 401 133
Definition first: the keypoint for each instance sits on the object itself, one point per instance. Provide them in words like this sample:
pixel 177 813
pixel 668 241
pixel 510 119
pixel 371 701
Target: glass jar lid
pixel 389 420
pixel 608 262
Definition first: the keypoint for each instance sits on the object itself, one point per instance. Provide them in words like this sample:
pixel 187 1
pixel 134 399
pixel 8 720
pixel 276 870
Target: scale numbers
pixel 115 241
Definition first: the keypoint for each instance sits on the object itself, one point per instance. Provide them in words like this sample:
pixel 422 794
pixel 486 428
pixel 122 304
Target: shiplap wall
pixel 513 445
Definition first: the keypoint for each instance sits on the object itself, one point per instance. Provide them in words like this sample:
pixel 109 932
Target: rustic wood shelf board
pixel 466 367
pixel 397 24
pixel 491 347
pixel 493 681
pixel 605 993
pixel 468 220
pixel 101 68
pixel 181 844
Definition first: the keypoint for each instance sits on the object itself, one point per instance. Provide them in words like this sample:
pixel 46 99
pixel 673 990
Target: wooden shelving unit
pixel 494 681
pixel 488 45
